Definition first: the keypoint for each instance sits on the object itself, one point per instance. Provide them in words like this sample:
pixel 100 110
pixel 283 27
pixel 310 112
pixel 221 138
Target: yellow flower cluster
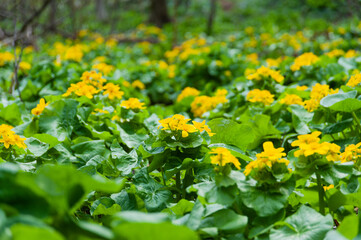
pixel 265 72
pixel 24 66
pixel 290 99
pixel 179 123
pixel 6 57
pixel 224 156
pixel 203 104
pixel 309 144
pixel 267 158
pixel 113 91
pixel 317 93
pixel 74 53
pixel 138 84
pixel 262 96
pixel 274 62
pixel 91 84
pixel 99 110
pixel 352 153
pixel 354 80
pixel 191 47
pixel 40 107
pixel 8 137
pixel 335 53
pixel 305 59
pixel 187 92
pixel 104 68
pixel 133 103
pixel 350 53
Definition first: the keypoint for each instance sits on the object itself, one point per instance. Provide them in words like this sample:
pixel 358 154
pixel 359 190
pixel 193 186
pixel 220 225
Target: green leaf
pixel 124 162
pixel 22 231
pixel 265 203
pixel 104 206
pixel 230 132
pixel 330 100
pixel 59 118
pixel 348 105
pixel 46 138
pixel 305 224
pixel 227 220
pixel 36 147
pixel 159 231
pixel 89 149
pixel 300 119
pixel 182 207
pixel 11 114
pixel 153 193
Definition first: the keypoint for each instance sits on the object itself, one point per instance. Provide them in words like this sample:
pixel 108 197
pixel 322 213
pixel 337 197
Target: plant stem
pixel 164 182
pixel 178 185
pixel 357 121
pixel 321 193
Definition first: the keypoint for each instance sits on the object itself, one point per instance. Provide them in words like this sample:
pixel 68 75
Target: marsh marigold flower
pixel 352 153
pixel 265 72
pixel 223 156
pixel 262 96
pixel 290 99
pixel 113 91
pixel 305 59
pixel 8 137
pixel 138 84
pixel 187 92
pixel 132 103
pixel 267 158
pixel 354 80
pixel 309 144
pixel 40 107
pixel 203 104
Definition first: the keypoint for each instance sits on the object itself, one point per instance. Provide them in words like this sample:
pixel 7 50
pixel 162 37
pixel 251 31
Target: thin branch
pixel 35 15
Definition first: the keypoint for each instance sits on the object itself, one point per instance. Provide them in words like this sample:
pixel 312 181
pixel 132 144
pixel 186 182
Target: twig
pixel 35 15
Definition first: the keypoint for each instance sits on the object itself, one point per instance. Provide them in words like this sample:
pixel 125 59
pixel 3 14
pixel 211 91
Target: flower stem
pixel 321 194
pixel 357 121
pixel 178 185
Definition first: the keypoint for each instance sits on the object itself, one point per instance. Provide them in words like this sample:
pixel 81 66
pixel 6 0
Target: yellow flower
pixel 352 153
pixel 201 126
pixel 350 53
pixel 177 123
pixel 6 57
pixel 290 99
pixel 253 58
pixel 203 104
pixel 325 188
pixel 274 62
pixel 138 84
pixel 8 137
pixel 305 59
pixel 126 84
pixel 100 111
pixel 270 152
pixel 266 73
pixel 104 68
pixel 113 91
pixel 301 88
pixel 224 156
pixel 354 80
pixel 267 158
pixel 24 66
pixel 132 103
pixel 309 144
pixel 39 108
pixel 188 91
pixel 262 96
pixel 335 53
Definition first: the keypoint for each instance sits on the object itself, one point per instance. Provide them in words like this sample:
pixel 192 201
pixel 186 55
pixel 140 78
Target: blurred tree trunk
pixel 211 16
pixel 52 16
pixel 101 10
pixel 159 12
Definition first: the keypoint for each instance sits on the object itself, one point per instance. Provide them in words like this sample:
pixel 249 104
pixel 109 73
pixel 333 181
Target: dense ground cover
pixel 254 136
